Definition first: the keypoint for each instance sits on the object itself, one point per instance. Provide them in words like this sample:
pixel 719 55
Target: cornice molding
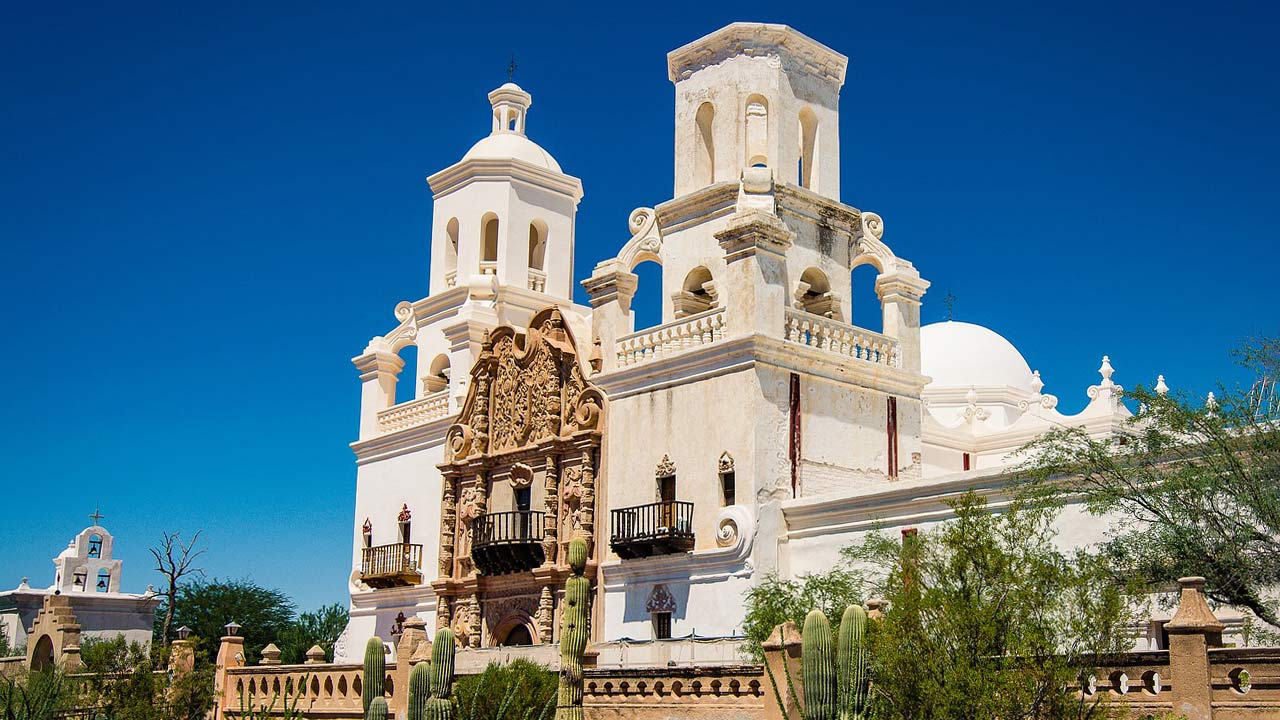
pixel 473 170
pixel 757 40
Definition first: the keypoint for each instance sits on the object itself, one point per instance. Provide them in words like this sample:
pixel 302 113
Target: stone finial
pixel 1193 613
pixel 1106 371
pixel 1211 403
pixel 1036 383
pixel 875 608
pixel 270 655
pixel 315 656
pixel 1161 388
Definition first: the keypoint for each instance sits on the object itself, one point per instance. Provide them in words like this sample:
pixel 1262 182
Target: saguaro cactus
pixel 818 667
pixel 438 706
pixel 851 665
pixel 377 709
pixel 375 671
pixel 419 690
pixel 575 627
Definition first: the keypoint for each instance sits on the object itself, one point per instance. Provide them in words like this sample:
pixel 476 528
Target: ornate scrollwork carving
pixel 521 476
pixel 660 600
pixel 665 467
pixel 725 463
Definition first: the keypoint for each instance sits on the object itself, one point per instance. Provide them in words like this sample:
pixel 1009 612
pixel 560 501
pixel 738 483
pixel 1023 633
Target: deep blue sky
pixel 206 211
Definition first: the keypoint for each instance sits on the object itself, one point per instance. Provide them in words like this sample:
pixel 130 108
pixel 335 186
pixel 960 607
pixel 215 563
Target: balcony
pixel 507 542
pixel 396 565
pixel 655 529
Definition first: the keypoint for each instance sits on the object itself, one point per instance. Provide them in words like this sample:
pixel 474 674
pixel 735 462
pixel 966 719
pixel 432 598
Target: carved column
pixel 551 487
pixel 588 500
pixel 546 614
pixel 473 622
pixel 448 525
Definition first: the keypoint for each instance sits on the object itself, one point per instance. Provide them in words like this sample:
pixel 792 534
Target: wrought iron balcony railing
pixel 394 565
pixel 654 529
pixel 507 542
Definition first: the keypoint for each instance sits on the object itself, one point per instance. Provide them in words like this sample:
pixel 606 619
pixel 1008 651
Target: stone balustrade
pixel 841 338
pixel 655 343
pixel 537 280
pixel 414 413
pixel 331 691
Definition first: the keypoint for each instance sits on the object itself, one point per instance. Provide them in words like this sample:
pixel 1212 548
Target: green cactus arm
pixel 818 666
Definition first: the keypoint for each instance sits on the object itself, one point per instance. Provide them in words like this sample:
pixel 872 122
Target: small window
pixel 661 626
pixel 968 461
pixel 727 488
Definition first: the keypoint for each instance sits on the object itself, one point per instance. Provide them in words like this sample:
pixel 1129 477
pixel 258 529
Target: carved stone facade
pixel 520 461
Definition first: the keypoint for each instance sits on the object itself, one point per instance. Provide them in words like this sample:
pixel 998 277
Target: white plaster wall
pixel 693 423
pixel 383 486
pixel 710 608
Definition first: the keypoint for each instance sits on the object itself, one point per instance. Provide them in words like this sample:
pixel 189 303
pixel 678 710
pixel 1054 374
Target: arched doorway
pixel 517 635
pixel 42 656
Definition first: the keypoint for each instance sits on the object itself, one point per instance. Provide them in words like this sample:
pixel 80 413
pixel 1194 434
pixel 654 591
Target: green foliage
pixel 264 614
pixel 377 709
pixel 35 695
pixel 5 649
pixel 772 602
pixel 851 665
pixel 522 690
pixel 818 667
pixel 375 671
pixel 988 619
pixel 120 678
pixel 320 627
pixel 1191 490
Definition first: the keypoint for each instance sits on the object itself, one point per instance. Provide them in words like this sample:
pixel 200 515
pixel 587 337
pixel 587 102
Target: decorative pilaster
pixel 546 614
pixel 378 368
pixel 900 292
pixel 755 246
pixel 611 289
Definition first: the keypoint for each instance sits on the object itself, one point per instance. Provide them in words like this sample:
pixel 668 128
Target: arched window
pixel 537 244
pixel 451 253
pixel 647 305
pixel 698 294
pixel 866 310
pixel 517 636
pixel 489 244
pixel 757 130
pixel 704 167
pixel 437 378
pixel 104 581
pixel 95 546
pixel 808 148
pixel 405 380
pixel 813 294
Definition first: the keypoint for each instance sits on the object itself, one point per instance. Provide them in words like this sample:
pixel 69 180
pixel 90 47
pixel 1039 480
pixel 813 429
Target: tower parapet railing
pixel 537 280
pixel 840 338
pixel 654 343
pixel 414 412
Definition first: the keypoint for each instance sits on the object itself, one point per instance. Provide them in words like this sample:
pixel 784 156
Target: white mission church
pixel 536 420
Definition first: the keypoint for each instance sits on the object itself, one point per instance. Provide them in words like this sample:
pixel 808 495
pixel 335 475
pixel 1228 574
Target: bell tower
pixel 505 213
pixel 757 94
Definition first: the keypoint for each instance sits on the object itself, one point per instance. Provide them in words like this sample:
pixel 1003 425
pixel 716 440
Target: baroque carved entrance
pixel 519 483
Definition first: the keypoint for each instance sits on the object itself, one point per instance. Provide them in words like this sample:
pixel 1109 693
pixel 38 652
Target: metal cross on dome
pixel 511 69
pixel 950 302
pixel 97 515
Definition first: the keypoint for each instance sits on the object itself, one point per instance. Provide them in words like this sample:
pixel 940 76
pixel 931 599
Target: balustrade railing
pixel 537 280
pixel 840 338
pixel 451 278
pixel 521 526
pixel 389 560
pixel 657 520
pixel 415 412
pixel 701 329
pixel 488 267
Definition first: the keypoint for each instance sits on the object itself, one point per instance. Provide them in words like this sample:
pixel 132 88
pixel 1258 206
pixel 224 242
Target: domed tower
pixel 505 212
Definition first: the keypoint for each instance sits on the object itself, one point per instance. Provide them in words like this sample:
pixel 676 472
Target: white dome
pixel 503 145
pixel 960 354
